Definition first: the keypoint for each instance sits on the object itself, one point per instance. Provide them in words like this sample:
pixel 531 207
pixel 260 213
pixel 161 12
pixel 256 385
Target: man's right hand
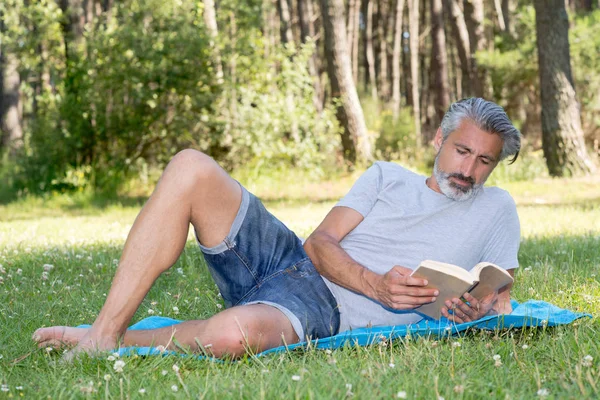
pixel 400 291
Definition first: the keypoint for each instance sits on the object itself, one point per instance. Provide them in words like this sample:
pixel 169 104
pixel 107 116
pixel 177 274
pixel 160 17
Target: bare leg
pixel 232 332
pixel 193 189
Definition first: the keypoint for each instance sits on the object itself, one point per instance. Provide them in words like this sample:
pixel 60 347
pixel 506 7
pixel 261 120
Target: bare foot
pixel 59 336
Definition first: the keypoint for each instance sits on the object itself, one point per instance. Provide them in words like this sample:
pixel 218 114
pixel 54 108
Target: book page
pixel 449 285
pixel 491 278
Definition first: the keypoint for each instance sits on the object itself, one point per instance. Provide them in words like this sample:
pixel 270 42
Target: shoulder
pixel 495 198
pixel 394 172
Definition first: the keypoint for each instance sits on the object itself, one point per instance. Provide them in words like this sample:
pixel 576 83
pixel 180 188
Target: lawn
pixel 58 256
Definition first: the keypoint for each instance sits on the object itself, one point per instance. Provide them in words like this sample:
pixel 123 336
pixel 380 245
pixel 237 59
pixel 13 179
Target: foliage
pixel 513 68
pixel 394 137
pixel 141 84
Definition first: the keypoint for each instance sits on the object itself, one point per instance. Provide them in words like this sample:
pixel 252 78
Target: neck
pixel 431 182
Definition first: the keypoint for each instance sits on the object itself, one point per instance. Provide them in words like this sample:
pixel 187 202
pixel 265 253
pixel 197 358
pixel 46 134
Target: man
pixel 353 271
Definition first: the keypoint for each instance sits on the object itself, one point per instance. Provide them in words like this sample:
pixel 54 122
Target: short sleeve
pixel 363 194
pixel 502 247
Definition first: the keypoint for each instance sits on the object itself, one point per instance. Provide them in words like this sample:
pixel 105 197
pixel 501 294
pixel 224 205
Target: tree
pixel 11 131
pixel 562 136
pixel 285 25
pixel 369 51
pixel 474 18
pixel 355 140
pixel 439 62
pixel 463 44
pixel 307 32
pixel 413 19
pixel 396 58
pixel 210 19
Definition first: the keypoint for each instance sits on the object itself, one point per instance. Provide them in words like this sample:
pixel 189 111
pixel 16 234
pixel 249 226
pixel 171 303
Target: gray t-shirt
pixel 406 222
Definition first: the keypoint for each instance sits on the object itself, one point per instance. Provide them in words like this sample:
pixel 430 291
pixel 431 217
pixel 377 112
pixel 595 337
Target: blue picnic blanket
pixel 532 313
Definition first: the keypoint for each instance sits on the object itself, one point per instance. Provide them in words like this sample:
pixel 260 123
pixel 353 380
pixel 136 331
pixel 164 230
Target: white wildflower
pixel 176 310
pixel 48 267
pixel 391 365
pixel 119 364
pixel 176 368
pixel 4 388
pixel 150 311
pixel 111 358
pixel 296 377
pixel 107 377
pixel 49 349
pixel 543 392
pixel 401 394
pixel 525 347
pixel 587 361
pixel 142 391
pixel 496 357
pixel 19 271
pixel 44 276
pixel 459 389
pixel 455 344
pixel 174 388
pixel 164 372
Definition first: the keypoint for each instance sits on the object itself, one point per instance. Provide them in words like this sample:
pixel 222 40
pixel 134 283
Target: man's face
pixel 464 160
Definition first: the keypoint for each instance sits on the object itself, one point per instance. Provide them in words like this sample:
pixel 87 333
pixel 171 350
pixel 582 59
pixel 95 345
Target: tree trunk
pixel 10 113
pixel 210 19
pixel 439 62
pixel 307 30
pixel 474 18
pixel 383 76
pixel 355 141
pixel 463 47
pixel 562 136
pixel 355 40
pixel 285 25
pixel 370 53
pixel 413 27
pixel 396 67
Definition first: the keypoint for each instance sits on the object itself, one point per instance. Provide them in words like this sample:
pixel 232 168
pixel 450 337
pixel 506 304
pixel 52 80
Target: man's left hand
pixel 471 310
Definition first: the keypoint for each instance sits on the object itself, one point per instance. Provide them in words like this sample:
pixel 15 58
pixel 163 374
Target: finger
pixel 401 290
pixel 469 310
pixel 405 278
pixel 409 302
pixel 457 313
pixel 451 317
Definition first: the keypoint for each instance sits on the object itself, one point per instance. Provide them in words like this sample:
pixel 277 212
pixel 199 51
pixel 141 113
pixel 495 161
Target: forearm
pixel 332 261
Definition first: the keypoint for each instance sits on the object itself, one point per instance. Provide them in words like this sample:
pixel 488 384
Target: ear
pixel 438 140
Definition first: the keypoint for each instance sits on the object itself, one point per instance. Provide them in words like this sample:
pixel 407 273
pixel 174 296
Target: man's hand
pixel 471 311
pixel 400 291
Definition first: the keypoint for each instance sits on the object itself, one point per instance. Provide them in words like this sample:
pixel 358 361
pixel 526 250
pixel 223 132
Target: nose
pixel 468 167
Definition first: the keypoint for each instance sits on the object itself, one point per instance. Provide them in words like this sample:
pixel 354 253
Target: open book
pixel 453 281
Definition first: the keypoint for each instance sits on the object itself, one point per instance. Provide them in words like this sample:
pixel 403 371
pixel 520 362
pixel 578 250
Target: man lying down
pixel 354 269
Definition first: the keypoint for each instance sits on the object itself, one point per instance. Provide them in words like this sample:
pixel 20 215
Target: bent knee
pixel 193 167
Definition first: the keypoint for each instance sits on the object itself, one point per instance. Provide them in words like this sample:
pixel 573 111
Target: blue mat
pixel 533 313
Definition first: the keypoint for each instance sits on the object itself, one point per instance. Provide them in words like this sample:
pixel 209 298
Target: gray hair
pixel 489 117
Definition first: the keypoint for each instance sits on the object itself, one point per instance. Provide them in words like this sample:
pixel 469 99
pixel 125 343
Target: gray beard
pixel 451 190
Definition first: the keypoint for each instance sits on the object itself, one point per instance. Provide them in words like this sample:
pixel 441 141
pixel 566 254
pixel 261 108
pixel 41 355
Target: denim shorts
pixel 261 261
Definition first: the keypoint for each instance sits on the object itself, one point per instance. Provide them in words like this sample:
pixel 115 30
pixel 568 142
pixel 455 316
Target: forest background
pixel 97 93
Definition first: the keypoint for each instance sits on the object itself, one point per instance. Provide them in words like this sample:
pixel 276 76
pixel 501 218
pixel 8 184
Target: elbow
pixel 313 243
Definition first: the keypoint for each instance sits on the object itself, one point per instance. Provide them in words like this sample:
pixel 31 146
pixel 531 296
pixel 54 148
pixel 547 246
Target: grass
pixel 81 238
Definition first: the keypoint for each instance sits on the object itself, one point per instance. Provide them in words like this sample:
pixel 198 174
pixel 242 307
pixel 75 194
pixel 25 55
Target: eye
pixel 461 151
pixel 485 161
